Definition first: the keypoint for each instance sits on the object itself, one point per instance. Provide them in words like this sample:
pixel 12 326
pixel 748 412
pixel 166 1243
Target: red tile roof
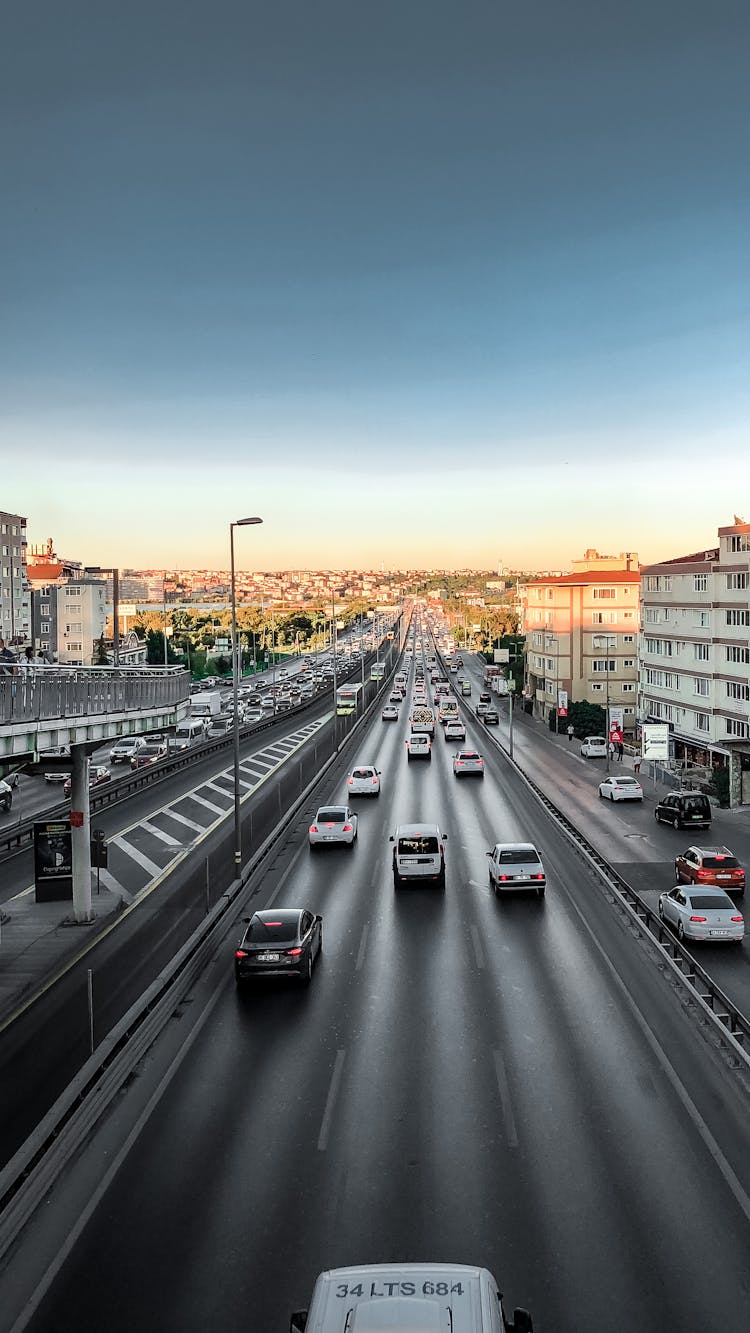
pixel 589 576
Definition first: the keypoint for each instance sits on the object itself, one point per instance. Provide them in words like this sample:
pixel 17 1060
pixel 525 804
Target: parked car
pixel 621 787
pixel 702 914
pixel 516 865
pixel 594 747
pixel 684 809
pixel 711 865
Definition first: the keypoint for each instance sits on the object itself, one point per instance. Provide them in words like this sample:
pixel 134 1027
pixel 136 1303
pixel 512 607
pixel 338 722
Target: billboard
pixel 562 703
pixel 53 861
pixel 501 655
pixel 655 740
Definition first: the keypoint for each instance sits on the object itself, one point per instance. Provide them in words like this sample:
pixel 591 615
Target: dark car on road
pixel 280 942
pixel 684 809
pixel 491 718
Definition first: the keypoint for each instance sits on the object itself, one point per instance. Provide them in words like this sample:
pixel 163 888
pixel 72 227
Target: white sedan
pixel 701 914
pixel 621 788
pixel 333 824
pixel 389 713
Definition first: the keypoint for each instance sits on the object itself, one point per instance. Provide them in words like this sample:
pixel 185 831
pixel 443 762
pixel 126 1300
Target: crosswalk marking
pixel 215 787
pixel 217 809
pixel 182 819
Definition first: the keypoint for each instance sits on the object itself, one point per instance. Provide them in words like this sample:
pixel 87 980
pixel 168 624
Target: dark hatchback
pixel 684 809
pixel 279 943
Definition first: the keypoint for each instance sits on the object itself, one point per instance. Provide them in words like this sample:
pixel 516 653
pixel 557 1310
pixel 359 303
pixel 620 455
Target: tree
pixel 101 657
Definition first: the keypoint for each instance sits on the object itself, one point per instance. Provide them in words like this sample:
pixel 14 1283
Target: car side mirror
pixel 445 837
pixel 318 917
pixel 298 1322
pixel 391 838
pixel 247 920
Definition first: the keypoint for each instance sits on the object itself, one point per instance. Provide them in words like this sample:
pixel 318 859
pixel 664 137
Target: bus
pixel 347 699
pixel 377 671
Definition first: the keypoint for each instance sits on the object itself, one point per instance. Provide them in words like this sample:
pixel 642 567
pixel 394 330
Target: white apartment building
pixel 15 597
pixel 582 635
pixel 81 619
pixel 694 655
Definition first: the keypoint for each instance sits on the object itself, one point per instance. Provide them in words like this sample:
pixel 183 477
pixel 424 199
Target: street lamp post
pixel 597 646
pixel 552 638
pixel 239 523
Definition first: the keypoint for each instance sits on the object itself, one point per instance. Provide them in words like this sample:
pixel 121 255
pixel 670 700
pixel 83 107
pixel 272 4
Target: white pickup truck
pixel 425 1298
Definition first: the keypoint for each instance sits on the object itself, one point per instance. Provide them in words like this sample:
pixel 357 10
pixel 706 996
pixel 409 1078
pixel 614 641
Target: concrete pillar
pixel 80 835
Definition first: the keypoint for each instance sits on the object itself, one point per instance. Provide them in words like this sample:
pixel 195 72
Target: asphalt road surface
pixel 503 1083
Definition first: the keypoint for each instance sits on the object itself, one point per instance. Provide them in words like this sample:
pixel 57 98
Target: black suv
pixel 684 809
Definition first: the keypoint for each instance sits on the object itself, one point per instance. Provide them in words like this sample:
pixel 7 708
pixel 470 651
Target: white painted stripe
pixel 478 953
pixel 362 946
pixel 158 833
pixel 136 855
pixel 333 1092
pixel 109 882
pixel 182 819
pixel 505 1102
pixel 215 787
pixel 217 809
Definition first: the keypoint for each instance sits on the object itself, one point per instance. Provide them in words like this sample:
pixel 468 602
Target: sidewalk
pixel 37 940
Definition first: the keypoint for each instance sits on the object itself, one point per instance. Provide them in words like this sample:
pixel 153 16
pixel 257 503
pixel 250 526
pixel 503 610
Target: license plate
pixel 718 932
pixel 523 876
pixel 723 877
pixel 268 957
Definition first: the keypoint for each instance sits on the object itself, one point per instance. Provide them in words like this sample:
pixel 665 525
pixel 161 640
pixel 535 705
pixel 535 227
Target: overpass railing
pixel 46 693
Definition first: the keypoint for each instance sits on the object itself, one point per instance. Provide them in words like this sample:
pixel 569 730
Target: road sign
pixel 655 740
pixel 562 703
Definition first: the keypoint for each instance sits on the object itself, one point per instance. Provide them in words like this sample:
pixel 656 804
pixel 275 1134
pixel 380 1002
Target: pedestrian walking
pixel 637 762
pixel 620 750
pixel 570 732
pixel 611 749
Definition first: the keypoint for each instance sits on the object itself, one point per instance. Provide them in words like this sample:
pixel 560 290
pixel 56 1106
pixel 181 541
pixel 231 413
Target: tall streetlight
pixel 236 660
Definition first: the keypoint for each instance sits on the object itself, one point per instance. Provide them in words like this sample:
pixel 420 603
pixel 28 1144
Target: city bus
pixel 347 699
pixel 377 671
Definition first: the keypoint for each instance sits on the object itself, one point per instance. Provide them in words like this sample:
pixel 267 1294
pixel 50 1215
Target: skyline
pixel 424 288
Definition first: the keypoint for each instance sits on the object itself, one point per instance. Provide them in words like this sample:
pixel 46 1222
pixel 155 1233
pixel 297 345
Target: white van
pixel 187 732
pixel 418 853
pixel 425 1298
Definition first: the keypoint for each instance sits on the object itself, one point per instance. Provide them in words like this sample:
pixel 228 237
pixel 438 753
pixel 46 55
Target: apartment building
pixel 694 654
pixel 582 635
pixel 15 598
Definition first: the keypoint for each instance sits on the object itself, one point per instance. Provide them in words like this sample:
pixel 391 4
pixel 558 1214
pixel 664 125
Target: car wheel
pixel 441 879
pixel 540 891
pixel 680 931
pixel 306 977
pixel 7 804
pixel 396 880
pixel 660 910
pixel 611 796
pixel 350 845
pixel 677 821
pixel 657 816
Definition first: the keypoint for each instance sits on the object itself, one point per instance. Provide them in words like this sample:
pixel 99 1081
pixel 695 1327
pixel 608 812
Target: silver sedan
pixel 701 914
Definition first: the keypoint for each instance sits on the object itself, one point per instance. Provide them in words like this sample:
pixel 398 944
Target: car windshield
pixel 711 902
pixel 331 816
pixel 517 855
pixel 419 844
pixel 271 932
pixel 720 862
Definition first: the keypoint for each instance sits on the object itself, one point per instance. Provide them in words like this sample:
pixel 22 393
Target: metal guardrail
pixel 731 1025
pixel 47 694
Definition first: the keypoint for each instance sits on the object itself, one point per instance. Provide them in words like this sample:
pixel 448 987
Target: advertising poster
pixel 53 861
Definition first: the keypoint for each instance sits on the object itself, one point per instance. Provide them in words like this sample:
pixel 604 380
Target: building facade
pixel 694 655
pixel 15 598
pixel 582 636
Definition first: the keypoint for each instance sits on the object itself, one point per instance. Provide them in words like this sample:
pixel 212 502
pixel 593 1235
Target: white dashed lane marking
pixel 210 805
pixel 171 813
pixel 161 835
pixel 138 856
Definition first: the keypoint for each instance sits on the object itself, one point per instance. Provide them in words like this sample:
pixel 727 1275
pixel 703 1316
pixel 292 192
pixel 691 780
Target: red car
pixel 711 865
pixel 149 754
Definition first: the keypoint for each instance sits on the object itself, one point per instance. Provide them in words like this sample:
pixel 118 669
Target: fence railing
pixel 48 693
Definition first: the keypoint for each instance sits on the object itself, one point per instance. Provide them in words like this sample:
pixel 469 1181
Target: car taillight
pixel 374 782
pixel 350 781
pixel 347 828
pixel 704 874
pixel 313 828
pixel 502 876
pixel 537 876
pixel 735 918
pixel 293 953
pixel 240 953
pixel 698 918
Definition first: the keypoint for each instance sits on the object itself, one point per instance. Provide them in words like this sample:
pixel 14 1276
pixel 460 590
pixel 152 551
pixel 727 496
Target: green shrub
pixel 720 786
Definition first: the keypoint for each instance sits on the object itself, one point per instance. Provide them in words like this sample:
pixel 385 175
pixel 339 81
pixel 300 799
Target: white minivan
pixel 418 853
pixel 425 1298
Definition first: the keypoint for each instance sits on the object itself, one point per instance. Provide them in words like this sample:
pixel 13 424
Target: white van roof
pixel 405 1298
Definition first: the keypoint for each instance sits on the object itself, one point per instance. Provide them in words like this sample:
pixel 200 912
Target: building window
pixel 597 687
pixel 628 638
pixel 735 581
pixel 702 619
pixel 44 645
pixel 72 591
pixel 701 652
pixel 44 609
pixel 659 647
pixel 628 687
pixel 628 663
pixel 607 664
pixel 652 583
pixel 738 617
pixel 604 594
pixel 700 582
pixel 735 728
pixel 701 686
pixel 75 647
pixel 741 542
pixel 737 653
pixel 702 722
pixel 44 627
pixel 736 690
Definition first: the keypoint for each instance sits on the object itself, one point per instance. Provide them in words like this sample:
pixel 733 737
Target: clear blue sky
pixel 418 282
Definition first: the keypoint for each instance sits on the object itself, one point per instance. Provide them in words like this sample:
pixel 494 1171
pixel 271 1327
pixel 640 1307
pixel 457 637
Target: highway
pixel 508 1083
